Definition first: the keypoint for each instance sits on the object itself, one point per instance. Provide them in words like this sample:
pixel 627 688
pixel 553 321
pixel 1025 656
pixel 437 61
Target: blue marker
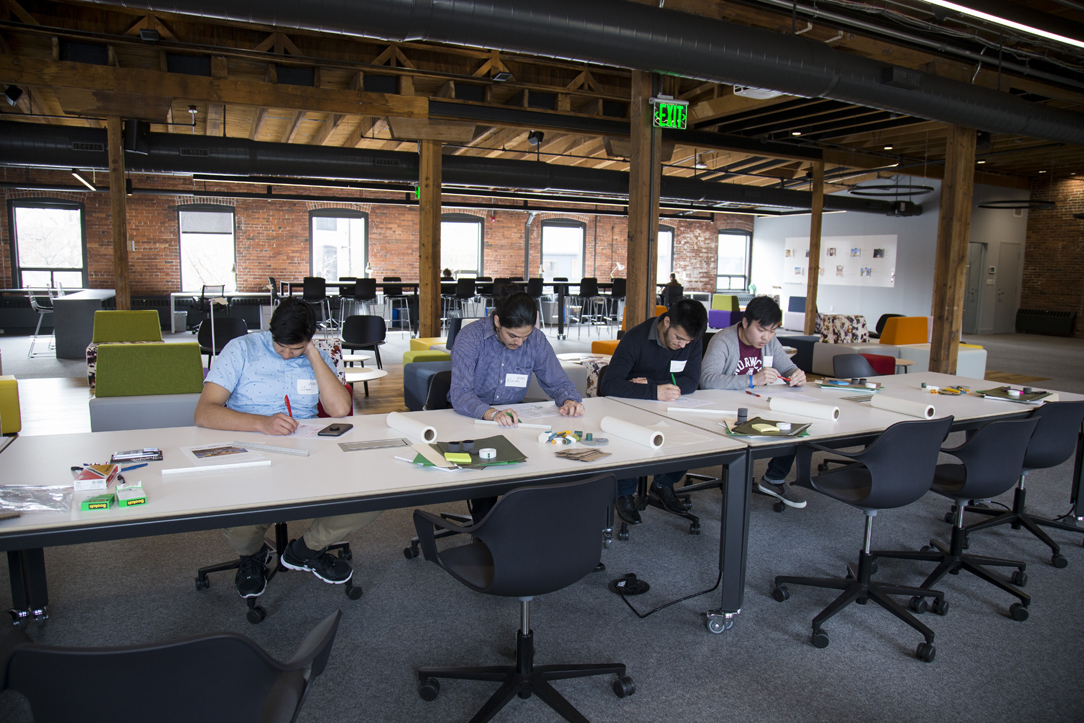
pixel 134 466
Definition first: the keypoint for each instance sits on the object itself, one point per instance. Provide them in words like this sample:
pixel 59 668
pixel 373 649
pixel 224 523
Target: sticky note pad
pixel 457 457
pixel 765 428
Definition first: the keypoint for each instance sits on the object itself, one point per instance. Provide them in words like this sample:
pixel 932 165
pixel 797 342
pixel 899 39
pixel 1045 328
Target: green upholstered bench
pixel 121 327
pixel 146 386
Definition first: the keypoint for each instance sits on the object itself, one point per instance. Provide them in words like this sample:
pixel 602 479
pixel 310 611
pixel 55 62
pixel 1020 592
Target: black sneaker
pixel 328 568
pixel 669 498
pixel 251 577
pixel 626 510
pixel 780 491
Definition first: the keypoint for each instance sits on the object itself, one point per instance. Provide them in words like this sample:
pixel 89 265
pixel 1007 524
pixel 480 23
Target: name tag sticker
pixel 516 380
pixel 768 359
pixel 677 365
pixel 307 386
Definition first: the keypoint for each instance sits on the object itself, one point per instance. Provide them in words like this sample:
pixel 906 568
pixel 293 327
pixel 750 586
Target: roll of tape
pixel 487 453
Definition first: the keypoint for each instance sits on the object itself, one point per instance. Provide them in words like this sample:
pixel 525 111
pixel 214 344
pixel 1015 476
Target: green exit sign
pixel 670 113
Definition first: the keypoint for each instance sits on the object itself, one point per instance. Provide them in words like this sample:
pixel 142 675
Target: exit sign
pixel 670 113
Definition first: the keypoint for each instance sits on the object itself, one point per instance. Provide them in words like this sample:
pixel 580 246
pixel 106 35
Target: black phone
pixel 335 430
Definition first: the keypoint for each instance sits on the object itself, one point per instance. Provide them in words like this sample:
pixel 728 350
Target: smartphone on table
pixel 335 430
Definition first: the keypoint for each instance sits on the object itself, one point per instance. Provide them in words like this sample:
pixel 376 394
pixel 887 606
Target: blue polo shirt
pixel 259 380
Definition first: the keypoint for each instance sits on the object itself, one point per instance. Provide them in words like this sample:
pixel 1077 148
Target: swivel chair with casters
pixel 218 676
pixel 366 333
pixel 226 329
pixel 895 470
pixel 1054 441
pixel 517 551
pixel 992 460
pixel 256 612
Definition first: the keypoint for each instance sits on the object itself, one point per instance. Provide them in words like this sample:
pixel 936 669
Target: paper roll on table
pixel 632 432
pixel 402 423
pixel 903 406
pixel 804 409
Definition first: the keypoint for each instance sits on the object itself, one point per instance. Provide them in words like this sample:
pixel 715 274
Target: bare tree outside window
pixel 49 246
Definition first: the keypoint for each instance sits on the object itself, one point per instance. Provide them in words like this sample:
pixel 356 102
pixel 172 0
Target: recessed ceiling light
pixel 888 147
pixel 1042 171
pixel 796 133
pixel 980 161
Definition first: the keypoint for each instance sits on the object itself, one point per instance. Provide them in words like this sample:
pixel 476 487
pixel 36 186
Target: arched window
pixel 461 244
pixel 563 243
pixel 338 243
pixel 48 243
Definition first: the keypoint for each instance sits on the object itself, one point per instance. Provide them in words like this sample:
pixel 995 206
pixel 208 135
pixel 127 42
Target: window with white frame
pixel 461 244
pixel 207 248
pixel 338 243
pixel 732 266
pixel 665 265
pixel 48 244
pixel 563 249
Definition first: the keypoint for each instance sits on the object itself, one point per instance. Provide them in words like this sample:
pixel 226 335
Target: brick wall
pixel 272 236
pixel 1054 251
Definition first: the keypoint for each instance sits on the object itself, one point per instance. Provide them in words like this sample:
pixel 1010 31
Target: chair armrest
pixel 315 649
pixel 425 524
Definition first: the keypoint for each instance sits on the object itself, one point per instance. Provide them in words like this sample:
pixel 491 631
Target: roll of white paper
pixel 633 432
pixel 803 409
pixel 903 406
pixel 402 423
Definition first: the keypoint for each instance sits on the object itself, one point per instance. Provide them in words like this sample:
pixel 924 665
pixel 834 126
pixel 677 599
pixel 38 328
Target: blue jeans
pixel 626 487
pixel 779 467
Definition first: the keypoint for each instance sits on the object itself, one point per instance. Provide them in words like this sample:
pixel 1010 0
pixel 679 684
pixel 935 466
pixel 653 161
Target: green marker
pixel 673 378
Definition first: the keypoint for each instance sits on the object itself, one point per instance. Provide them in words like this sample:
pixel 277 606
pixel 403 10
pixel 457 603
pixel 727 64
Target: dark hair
pixel 516 309
pixel 765 310
pixel 293 322
pixel 690 315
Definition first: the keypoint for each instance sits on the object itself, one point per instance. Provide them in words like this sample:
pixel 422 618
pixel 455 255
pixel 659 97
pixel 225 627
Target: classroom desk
pixel 195 295
pixel 289 489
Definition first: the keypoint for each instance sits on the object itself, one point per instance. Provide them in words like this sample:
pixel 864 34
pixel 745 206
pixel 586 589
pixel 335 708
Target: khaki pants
pixel 322 532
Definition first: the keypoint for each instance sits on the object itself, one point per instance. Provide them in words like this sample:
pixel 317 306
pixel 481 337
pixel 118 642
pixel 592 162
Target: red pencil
pixel 288 410
pixel 753 393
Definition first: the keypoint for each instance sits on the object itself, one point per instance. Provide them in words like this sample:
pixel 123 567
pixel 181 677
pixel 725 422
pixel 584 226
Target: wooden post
pixel 950 268
pixel 119 212
pixel 429 239
pixel 813 267
pixel 645 173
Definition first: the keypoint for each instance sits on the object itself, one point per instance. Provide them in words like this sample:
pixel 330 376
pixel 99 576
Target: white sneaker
pixel 780 491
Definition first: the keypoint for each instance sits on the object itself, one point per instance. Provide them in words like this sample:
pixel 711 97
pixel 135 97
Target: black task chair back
pixel 274 290
pixel 992 458
pixel 226 329
pixel 365 290
pixel 534 541
pixel 437 396
pixel 1055 438
pixel 220 676
pixel 879 329
pixel 849 366
pixel 588 287
pixel 618 291
pixel 535 288
pixel 392 289
pixel 363 330
pixel 464 289
pixel 313 288
pixel 455 325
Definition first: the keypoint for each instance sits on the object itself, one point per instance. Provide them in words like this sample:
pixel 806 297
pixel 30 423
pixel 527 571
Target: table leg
pixel 733 541
pixel 29 591
pixel 1078 471
pixel 561 311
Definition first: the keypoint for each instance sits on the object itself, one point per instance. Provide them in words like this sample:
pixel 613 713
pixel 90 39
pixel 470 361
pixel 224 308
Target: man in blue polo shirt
pixel 246 391
pixel 658 359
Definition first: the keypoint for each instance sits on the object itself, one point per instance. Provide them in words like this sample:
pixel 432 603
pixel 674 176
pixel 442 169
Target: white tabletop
pixel 328 474
pixel 965 406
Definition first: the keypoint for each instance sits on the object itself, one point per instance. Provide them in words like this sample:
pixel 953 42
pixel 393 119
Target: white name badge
pixel 677 365
pixel 516 380
pixel 307 386
pixel 768 359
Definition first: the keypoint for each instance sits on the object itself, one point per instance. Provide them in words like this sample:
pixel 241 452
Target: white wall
pixel 916 246
pixel 994 227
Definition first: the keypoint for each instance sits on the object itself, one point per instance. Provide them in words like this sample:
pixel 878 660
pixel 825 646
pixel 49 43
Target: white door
pixel 1010 261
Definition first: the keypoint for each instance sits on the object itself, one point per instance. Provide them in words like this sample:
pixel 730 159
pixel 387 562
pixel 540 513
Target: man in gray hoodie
pixel 745 356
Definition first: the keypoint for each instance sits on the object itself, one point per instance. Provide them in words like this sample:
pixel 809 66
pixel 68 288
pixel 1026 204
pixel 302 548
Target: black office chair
pixel 205 302
pixel 366 333
pixel 394 297
pixel 517 551
pixel 535 289
pixel 992 460
pixel 465 292
pixel 593 306
pixel 880 327
pixel 1054 441
pixel 617 294
pixel 219 676
pixel 274 288
pixel 344 298
pixel 226 329
pixel 364 295
pixel 893 471
pixel 314 293
pixel 852 366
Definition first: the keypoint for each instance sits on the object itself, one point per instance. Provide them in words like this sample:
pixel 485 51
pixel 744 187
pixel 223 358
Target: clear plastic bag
pixel 36 498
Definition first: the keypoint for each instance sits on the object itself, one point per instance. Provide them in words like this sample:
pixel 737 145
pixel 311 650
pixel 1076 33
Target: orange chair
pixel 905 330
pixel 607 346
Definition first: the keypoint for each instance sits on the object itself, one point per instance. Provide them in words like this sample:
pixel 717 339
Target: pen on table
pixel 134 466
pixel 753 393
pixel 288 410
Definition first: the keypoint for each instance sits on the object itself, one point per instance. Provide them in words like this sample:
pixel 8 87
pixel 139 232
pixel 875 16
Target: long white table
pixel 195 295
pixel 329 481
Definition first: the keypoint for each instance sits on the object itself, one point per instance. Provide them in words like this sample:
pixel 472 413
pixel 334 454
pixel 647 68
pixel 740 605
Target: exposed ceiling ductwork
pixel 70 146
pixel 632 35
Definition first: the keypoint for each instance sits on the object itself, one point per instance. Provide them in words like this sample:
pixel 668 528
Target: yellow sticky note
pixel 765 428
pixel 457 457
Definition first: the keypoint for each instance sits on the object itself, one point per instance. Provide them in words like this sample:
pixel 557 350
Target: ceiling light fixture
pixel 13 93
pixel 888 147
pixel 149 34
pixel 796 133
pixel 534 138
pixel 1007 23
pixel 502 77
pixel 85 182
pixel 980 161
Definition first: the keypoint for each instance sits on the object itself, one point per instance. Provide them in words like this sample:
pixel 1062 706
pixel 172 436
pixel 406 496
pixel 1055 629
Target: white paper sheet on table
pixel 689 402
pixel 532 410
pixel 309 427
pixel 678 436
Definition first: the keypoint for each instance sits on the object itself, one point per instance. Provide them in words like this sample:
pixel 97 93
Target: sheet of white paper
pixel 309 427
pixel 533 410
pixel 689 402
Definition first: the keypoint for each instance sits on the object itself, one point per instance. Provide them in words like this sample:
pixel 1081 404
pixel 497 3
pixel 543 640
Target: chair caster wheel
pixel 1059 561
pixel 781 593
pixel 410 552
pixel 687 502
pixel 202 583
pixel 941 607
pixel 926 652
pixel 925 548
pixel 694 528
pixel 1019 578
pixel 624 686
pixel 718 624
pixel 862 600
pixel 1018 612
pixel 429 689
pixel 41 620
pixel 918 605
pixel 779 507
pixel 353 592
pixel 948 517
pixel 346 554
pixel 525 693
pixel 256 614
pixel 820 639
pixel 623 533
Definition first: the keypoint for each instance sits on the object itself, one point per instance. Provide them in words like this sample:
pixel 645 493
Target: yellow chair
pixel 725 302
pixel 425 342
pixel 659 311
pixel 11 420
pixel 420 355
pixel 905 330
